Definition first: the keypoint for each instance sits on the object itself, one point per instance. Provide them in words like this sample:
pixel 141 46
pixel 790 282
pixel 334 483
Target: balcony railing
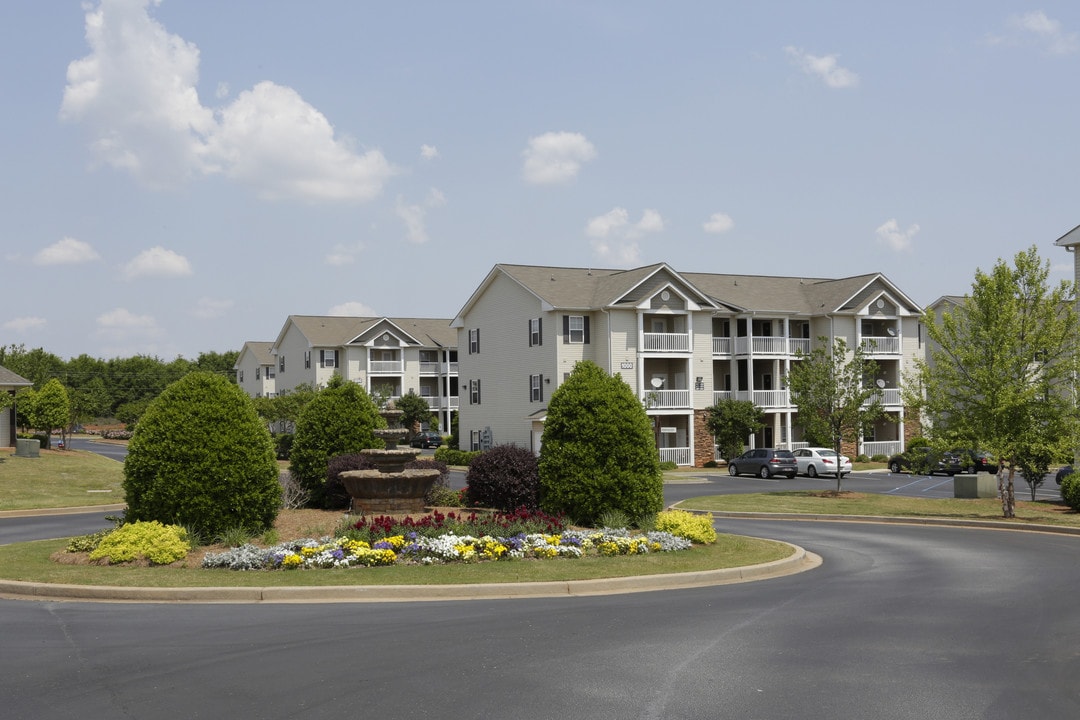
pixel 667 399
pixel 385 366
pixel 721 346
pixel 441 403
pixel 888 396
pixel 437 368
pixel 719 395
pixel 759 345
pixel 884 345
pixel 765 399
pixel 666 342
pixel 677 455
pixel 881 447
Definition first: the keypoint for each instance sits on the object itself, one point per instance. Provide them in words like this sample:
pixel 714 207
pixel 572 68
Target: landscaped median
pixel 1039 515
pixel 571 562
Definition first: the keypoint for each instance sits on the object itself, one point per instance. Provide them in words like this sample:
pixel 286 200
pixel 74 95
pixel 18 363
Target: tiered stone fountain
pixel 390 489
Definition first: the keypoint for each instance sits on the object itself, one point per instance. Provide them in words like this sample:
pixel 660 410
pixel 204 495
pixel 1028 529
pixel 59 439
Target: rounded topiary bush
pixel 598 450
pixel 201 457
pixel 505 477
pixel 339 420
pixel 1070 490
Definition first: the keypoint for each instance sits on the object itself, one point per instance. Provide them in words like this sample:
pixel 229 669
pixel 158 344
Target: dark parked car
pixel 1063 473
pixel 974 461
pixel 426 439
pixel 764 462
pixel 926 460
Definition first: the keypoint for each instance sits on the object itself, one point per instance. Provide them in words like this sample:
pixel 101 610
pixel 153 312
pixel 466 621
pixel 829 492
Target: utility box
pixel 28 447
pixel 979 485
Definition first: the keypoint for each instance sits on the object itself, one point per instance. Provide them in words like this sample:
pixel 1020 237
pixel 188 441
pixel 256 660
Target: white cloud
pixel 210 308
pixel 429 152
pixel 344 254
pixel 135 94
pixel 222 91
pixel 68 251
pixel 352 309
pixel 1046 32
pixel 718 223
pixel 824 67
pixel 555 157
pixel 615 237
pixel 415 215
pixel 22 324
pixel 889 233
pixel 157 262
pixel 127 333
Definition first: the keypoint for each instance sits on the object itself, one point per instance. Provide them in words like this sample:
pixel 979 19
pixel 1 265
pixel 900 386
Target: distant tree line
pixel 120 388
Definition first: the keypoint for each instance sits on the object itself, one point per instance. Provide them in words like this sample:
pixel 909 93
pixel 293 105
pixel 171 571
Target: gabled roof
pixel 10 379
pixel 259 350
pixel 1069 239
pixel 330 331
pixel 569 288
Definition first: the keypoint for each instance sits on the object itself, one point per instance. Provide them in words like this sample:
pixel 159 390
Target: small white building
pixel 10 383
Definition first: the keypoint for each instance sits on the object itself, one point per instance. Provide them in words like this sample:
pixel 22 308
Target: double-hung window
pixel 474 341
pixel 576 329
pixel 536 336
pixel 474 392
pixel 536 388
pixel 328 358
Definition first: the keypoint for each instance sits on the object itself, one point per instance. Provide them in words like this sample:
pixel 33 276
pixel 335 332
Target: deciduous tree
pixel 732 422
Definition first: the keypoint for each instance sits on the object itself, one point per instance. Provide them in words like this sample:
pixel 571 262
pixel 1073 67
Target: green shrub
pixel 598 449
pixel 201 457
pixel 505 478
pixel 456 458
pixel 158 543
pixel 335 496
pixel 695 528
pixel 339 420
pixel 917 442
pixel 439 494
pixel 1070 490
pixel 709 464
pixel 668 465
pixel 613 519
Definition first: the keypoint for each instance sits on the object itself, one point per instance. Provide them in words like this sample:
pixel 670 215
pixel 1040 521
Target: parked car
pixel 974 461
pixel 1063 473
pixel 814 461
pixel 926 460
pixel 764 462
pixel 426 439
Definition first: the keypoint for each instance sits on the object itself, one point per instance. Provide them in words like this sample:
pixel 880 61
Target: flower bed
pixel 446 548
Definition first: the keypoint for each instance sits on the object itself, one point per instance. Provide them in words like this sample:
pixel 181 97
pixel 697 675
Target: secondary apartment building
pixel 682 341
pixel 387 356
pixel 256 369
pixel 10 383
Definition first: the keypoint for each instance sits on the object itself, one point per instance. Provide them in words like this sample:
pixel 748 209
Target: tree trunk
pixel 1005 490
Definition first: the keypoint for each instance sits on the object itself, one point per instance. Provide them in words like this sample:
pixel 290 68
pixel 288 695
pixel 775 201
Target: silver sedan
pixel 814 461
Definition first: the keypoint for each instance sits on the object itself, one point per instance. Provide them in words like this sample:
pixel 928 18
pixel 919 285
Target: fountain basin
pixel 375 492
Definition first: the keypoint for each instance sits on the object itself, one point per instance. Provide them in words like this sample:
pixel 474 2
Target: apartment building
pixel 256 369
pixel 682 341
pixel 389 357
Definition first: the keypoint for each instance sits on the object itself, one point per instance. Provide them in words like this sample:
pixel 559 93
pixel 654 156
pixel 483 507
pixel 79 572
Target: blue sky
pixel 179 176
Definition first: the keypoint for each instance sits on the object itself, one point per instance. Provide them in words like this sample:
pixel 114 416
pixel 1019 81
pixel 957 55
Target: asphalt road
pixel 898 623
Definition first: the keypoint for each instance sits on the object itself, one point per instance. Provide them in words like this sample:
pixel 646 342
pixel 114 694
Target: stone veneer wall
pixel 703 440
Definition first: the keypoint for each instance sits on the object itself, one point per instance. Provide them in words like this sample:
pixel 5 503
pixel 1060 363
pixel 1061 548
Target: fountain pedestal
pixel 389 489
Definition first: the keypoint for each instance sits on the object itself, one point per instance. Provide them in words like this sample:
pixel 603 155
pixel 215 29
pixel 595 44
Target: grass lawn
pixel 851 503
pixel 59 478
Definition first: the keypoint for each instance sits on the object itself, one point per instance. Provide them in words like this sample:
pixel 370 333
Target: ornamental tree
pixel 339 420
pixel 829 388
pixel 732 422
pixel 201 457
pixel 1001 366
pixel 598 450
pixel 47 409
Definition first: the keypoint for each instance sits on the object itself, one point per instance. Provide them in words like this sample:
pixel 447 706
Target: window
pixel 307 359
pixel 269 373
pixel 474 341
pixel 536 388
pixel 474 392
pixel 535 335
pixel 258 373
pixel 281 364
pixel 474 440
pixel 575 329
pixel 328 358
pixel 240 376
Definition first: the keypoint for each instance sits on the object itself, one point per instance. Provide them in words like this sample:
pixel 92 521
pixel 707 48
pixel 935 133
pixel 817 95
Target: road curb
pixel 799 561
pixel 893 520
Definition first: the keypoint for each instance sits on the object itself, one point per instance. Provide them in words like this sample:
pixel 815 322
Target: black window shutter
pixel 541 388
pixel 478 401
pixel 539 331
pixel 586 323
pixel 566 328
pixel 528 326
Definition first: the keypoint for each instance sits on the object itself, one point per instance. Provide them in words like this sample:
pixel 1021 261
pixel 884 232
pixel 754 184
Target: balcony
pixel 385 367
pixel 677 455
pixel 889 397
pixel 721 346
pixel 441 403
pixel 781 346
pixel 437 368
pixel 667 399
pixel 665 342
pixel 880 345
pixel 885 447
pixel 764 399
